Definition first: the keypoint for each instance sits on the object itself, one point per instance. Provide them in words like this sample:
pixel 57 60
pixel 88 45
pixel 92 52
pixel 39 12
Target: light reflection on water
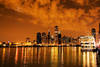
pixel 50 56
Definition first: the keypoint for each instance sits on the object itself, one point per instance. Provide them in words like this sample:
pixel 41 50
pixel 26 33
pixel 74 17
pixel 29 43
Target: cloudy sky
pixel 23 18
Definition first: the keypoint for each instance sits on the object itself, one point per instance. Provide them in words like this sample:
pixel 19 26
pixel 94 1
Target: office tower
pixel 52 39
pixel 44 38
pixel 56 34
pixel 49 37
pixel 59 37
pixel 98 38
pixel 39 38
pixel 93 32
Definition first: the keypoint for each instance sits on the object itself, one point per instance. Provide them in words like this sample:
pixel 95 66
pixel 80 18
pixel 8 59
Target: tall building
pixel 59 37
pixel 39 39
pixel 52 39
pixel 56 34
pixel 44 38
pixel 93 32
pixel 49 37
pixel 99 35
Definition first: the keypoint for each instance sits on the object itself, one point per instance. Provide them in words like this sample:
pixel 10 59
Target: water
pixel 48 57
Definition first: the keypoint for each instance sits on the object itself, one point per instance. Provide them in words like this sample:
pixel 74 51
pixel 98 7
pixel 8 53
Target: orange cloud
pixel 50 13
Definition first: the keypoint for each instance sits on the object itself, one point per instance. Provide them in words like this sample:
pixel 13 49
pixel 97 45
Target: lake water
pixel 48 57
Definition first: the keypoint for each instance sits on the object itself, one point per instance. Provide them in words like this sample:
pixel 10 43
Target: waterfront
pixel 48 56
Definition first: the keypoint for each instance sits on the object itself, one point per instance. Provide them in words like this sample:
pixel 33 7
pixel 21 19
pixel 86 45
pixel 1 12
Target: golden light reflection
pixel 54 56
pixel 89 59
pixel 28 55
pixel 44 56
pixel 3 55
pixel 22 55
pixel 62 56
pixel 16 56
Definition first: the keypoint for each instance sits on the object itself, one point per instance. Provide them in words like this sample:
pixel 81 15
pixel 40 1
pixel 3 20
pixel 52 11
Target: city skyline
pixel 50 33
pixel 19 19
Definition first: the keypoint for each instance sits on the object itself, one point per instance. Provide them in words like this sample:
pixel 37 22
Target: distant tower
pixel 94 32
pixel 99 35
pixel 44 38
pixel 52 39
pixel 49 37
pixel 59 37
pixel 39 38
pixel 56 34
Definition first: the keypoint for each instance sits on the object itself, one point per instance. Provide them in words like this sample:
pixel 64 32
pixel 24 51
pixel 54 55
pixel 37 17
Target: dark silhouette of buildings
pixel 59 38
pixel 49 37
pixel 93 32
pixel 39 39
pixel 66 40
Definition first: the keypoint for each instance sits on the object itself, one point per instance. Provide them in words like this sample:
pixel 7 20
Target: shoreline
pixel 40 46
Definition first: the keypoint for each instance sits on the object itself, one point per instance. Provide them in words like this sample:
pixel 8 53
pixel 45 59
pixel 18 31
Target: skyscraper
pixel 93 32
pixel 56 34
pixel 44 38
pixel 39 38
pixel 49 37
pixel 59 37
pixel 99 35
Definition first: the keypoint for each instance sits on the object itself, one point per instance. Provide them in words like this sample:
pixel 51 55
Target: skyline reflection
pixel 52 56
pixel 89 59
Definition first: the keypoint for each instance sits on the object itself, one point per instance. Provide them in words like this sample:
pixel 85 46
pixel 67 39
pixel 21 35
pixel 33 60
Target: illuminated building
pixel 49 37
pixel 28 42
pixel 59 38
pixel 0 43
pixel 44 38
pixel 99 36
pixel 52 39
pixel 39 38
pixel 66 40
pixel 4 44
pixel 56 34
pixel 93 32
pixel 87 43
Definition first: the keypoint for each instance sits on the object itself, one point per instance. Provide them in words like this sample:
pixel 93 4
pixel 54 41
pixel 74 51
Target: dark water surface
pixel 48 57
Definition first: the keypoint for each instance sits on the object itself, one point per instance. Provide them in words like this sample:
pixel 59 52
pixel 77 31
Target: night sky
pixel 23 18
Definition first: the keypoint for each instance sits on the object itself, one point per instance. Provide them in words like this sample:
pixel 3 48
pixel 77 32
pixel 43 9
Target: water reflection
pixel 52 56
pixel 89 59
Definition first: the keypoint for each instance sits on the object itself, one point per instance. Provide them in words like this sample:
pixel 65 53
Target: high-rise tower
pixel 39 38
pixel 93 32
pixel 44 38
pixel 56 34
pixel 59 37
pixel 49 37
